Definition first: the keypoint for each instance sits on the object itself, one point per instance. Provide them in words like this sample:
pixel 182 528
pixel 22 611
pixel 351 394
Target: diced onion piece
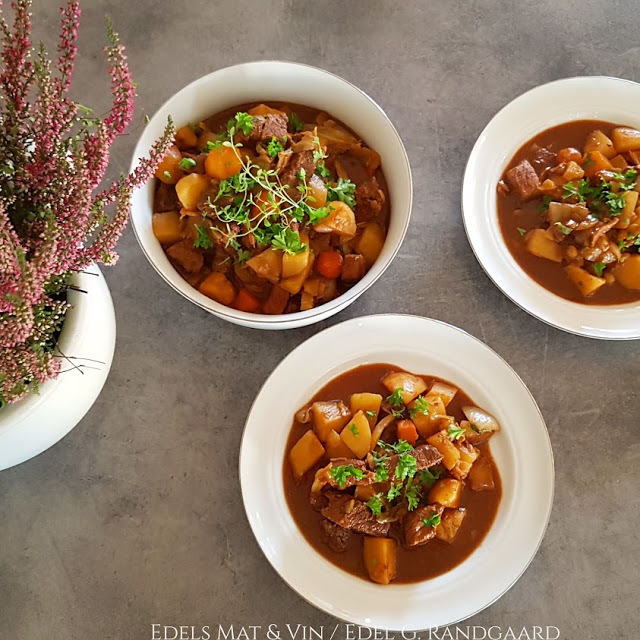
pixel 378 430
pixel 481 419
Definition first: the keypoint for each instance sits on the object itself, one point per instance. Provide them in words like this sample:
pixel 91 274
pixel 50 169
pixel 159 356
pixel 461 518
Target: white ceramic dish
pixel 597 98
pixel 279 81
pixel 522 452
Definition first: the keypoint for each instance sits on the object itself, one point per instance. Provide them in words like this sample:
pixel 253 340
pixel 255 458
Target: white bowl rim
pixel 332 306
pixel 592 332
pixel 549 450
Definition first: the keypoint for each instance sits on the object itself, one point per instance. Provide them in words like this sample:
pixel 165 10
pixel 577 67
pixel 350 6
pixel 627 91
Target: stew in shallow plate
pixel 569 212
pixel 389 475
pixel 271 208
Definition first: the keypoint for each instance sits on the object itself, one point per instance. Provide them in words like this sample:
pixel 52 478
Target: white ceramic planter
pixel 88 338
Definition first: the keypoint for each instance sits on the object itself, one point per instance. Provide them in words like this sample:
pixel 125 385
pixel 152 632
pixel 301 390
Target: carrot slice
pixel 329 264
pixel 246 301
pixel 406 430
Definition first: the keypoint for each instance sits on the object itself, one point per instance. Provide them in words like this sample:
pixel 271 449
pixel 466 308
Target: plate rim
pixel 596 333
pixel 466 335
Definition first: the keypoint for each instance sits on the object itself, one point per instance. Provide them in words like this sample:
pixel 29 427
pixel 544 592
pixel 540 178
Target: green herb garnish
pixel 322 170
pixel 295 124
pixel 202 241
pixel 399 447
pixel 599 268
pixel 352 427
pixel 342 472
pixel 375 504
pixel 455 432
pixel 413 495
pixel 565 230
pixel 289 241
pixel 240 122
pixel 344 191
pixel 394 491
pixel 187 163
pixel 421 406
pixel 274 147
pixel 396 399
pixel 522 231
pixel 428 477
pixel 407 466
pixel 432 521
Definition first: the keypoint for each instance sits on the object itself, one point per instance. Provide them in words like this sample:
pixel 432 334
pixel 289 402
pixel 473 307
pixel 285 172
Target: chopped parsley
pixel 318 154
pixel 322 170
pixel 398 414
pixel 407 466
pixel 432 521
pixel 399 447
pixel 428 477
pixel 522 231
pixel 455 432
pixel 371 414
pixel 352 427
pixel 295 124
pixel 546 201
pixel 344 191
pixel 421 406
pixel 187 163
pixel 395 491
pixel 274 147
pixel 599 268
pixel 413 495
pixel 580 190
pixel 375 504
pixel 342 472
pixel 243 255
pixel 202 241
pixel 240 122
pixel 396 399
pixel 167 175
pixel 381 469
pixel 289 241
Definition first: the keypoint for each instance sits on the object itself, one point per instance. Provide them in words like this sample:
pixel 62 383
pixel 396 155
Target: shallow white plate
pixel 522 453
pixel 589 98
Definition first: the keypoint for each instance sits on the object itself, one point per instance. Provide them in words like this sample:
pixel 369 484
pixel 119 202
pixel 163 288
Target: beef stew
pixel 271 208
pixel 569 211
pixel 390 476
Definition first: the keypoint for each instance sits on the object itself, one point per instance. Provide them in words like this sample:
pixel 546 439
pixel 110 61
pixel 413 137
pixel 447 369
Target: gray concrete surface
pixel 136 517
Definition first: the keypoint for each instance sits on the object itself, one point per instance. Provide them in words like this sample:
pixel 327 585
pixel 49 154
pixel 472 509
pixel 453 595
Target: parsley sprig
pixel 342 472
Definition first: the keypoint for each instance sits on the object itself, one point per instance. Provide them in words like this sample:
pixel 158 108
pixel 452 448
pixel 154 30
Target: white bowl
pixel 522 452
pixel 286 82
pixel 589 98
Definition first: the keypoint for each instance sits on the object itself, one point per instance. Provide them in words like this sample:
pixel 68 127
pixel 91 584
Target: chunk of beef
pixel 353 267
pixel 289 176
pixel 523 179
pixel 426 456
pixel 324 477
pixel 416 532
pixel 335 536
pixel 166 198
pixel 267 127
pixel 186 256
pixel 369 200
pixel 349 513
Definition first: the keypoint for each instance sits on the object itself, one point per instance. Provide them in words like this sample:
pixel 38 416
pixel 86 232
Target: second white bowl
pixel 285 82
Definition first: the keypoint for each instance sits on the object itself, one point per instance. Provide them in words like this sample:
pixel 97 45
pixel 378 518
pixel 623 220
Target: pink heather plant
pixel 53 157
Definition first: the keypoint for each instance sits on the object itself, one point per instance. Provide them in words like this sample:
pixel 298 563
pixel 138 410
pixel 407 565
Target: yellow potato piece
pixel 628 273
pixel 357 434
pixel 380 559
pixel 369 403
pixel 305 454
pixel 191 188
pixel 167 227
pixel 336 448
pixel 412 386
pixel 540 244
pixel 586 283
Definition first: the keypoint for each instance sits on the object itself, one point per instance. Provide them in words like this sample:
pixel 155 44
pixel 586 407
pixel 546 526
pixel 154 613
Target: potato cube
pixel 336 448
pixel 340 221
pixel 294 263
pixel 480 477
pixel 369 403
pixel 294 284
pixel 586 283
pixel 305 454
pixel 630 203
pixel 447 492
pixel 267 264
pixel 573 171
pixel 450 524
pixel 626 139
pixel 594 162
pixel 411 386
pixel 357 434
pixel 429 423
pixel 217 287
pixel 628 273
pixel 450 453
pixel 619 163
pixel 167 227
pixel 540 244
pixel 191 188
pixel 597 141
pixel 445 391
pixel 329 416
pixel 380 559
pixel 370 242
pixel 306 301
